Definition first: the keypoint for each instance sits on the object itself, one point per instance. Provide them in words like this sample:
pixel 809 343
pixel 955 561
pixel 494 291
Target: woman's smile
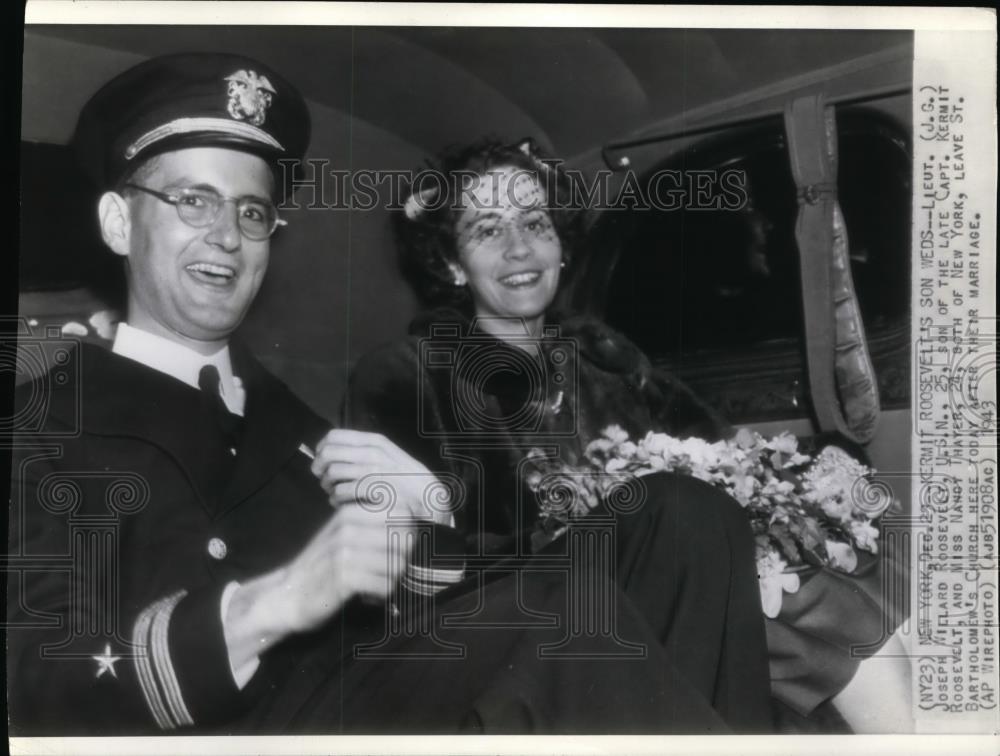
pixel 521 279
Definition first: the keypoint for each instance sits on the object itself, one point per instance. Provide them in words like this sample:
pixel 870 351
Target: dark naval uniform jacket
pixel 124 535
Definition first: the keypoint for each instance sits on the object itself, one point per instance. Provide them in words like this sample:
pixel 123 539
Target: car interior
pixel 713 295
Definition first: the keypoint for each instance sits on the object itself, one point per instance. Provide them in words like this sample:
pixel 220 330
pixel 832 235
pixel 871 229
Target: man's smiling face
pixel 195 284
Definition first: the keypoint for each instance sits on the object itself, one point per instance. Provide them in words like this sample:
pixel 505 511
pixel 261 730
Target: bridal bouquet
pixel 804 510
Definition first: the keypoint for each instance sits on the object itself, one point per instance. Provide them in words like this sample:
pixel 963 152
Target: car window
pixel 714 293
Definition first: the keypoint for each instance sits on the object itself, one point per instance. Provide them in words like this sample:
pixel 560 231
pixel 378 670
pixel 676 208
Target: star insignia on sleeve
pixel 106 662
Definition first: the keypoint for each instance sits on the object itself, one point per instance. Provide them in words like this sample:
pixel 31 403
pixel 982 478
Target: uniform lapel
pixel 276 424
pixel 117 396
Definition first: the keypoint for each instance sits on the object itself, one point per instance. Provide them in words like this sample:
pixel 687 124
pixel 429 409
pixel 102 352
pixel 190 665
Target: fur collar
pixel 600 344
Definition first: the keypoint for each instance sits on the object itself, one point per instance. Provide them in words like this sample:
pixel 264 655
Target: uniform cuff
pixel 155 667
pixel 192 652
pixel 438 561
pixel 243 673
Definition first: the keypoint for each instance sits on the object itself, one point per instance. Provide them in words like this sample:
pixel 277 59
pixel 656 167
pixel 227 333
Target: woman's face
pixel 508 250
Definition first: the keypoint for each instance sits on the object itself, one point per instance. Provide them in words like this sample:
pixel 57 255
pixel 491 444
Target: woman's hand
pixel 357 467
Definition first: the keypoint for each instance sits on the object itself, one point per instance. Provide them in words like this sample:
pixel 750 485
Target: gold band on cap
pixel 191 125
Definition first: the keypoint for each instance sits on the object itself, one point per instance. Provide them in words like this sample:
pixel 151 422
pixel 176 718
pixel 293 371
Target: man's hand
pixel 367 468
pixel 353 554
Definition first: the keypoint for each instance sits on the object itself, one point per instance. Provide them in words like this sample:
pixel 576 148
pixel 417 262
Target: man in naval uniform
pixel 186 464
pixel 177 563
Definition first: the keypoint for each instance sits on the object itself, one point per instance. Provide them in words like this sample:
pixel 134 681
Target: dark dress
pixel 470 407
pixel 475 415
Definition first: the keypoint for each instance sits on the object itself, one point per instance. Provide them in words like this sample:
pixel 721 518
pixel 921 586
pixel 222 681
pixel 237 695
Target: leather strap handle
pixel 841 377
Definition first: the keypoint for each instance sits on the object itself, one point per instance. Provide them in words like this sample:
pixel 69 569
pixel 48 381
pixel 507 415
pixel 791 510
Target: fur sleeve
pixel 672 406
pixel 383 396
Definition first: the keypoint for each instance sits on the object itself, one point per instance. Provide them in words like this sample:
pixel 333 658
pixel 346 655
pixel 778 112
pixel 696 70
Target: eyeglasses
pixel 258 218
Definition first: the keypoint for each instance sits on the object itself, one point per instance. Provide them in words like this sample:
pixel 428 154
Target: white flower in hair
pixel 418 202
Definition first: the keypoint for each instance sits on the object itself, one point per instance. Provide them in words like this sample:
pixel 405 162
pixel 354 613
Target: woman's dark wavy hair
pixel 427 242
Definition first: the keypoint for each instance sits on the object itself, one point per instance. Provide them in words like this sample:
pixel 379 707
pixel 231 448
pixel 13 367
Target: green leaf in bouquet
pixel 780 533
pixel 808 532
pixel 816 556
pixel 786 475
pixel 811 538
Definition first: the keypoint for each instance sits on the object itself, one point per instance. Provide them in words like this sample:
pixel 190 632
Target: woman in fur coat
pixel 491 370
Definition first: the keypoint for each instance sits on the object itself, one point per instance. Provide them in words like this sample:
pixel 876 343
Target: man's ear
pixel 459 275
pixel 114 214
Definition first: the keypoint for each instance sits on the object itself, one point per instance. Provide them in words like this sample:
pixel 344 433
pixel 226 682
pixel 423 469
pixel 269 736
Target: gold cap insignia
pixel 249 96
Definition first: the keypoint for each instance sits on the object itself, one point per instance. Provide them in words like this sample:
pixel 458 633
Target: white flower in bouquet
pixel 616 434
pixel 742 487
pixel 842 556
pixel 778 490
pixel 786 451
pixel 865 535
pixel 615 464
pixel 702 455
pixel 669 451
pixel 622 455
pixel 830 482
pixel 731 456
pixel 834 506
pixel 612 446
pixel 656 444
pixel 655 462
pixel 774 581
